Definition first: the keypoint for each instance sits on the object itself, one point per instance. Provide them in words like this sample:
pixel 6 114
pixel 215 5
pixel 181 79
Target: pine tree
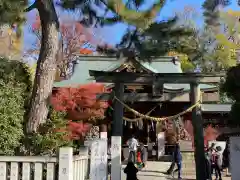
pixel 128 13
pixel 144 38
pixel 211 12
pixel 46 64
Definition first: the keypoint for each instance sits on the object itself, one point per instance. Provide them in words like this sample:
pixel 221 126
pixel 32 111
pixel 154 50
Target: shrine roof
pixel 217 108
pixel 103 63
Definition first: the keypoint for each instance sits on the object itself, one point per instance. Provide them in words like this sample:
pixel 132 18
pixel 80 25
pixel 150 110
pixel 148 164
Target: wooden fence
pixel 64 167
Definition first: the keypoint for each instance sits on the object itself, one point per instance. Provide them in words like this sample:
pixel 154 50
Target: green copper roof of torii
pixel 103 63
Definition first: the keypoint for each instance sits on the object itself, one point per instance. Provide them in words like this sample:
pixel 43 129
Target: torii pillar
pixel 197 123
pixel 117 132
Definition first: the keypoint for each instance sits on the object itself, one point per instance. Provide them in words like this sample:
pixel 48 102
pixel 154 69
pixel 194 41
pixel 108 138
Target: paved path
pixel 155 171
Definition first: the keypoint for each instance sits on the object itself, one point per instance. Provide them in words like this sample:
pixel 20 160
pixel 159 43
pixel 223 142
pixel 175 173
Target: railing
pixel 64 167
pixel 27 167
pixel 80 167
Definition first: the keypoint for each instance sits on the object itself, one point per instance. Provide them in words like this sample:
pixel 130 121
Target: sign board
pixel 235 157
pixel 98 164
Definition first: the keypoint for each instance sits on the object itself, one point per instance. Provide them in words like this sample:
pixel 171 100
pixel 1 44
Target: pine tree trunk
pixel 46 65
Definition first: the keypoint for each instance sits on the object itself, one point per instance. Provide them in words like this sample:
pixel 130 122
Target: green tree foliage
pixel 228 40
pixel 211 12
pixel 204 49
pixel 50 136
pixel 11 13
pixel 15 85
pixel 214 56
pixel 231 87
pixel 186 64
pixel 144 38
pixel 122 12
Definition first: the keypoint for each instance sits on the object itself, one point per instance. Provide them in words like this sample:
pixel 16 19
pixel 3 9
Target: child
pixel 139 160
pixel 131 171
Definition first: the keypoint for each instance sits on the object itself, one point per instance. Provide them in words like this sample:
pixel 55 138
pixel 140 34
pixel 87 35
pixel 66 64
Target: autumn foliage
pixel 80 103
pixel 81 106
pixel 75 36
pixel 77 130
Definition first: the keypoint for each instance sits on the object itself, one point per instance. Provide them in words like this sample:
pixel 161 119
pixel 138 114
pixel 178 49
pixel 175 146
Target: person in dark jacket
pixel 131 171
pixel 226 156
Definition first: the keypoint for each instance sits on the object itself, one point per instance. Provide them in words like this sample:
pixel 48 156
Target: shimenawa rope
pixel 146 116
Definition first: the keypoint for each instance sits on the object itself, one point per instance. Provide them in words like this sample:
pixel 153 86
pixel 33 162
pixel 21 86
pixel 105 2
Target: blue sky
pixel 114 33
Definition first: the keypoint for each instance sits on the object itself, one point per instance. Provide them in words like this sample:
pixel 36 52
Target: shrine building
pixel 168 100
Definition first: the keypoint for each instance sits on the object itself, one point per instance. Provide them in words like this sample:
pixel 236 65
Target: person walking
pixel 178 160
pixel 171 168
pixel 132 145
pixel 208 164
pixel 217 162
pixel 226 156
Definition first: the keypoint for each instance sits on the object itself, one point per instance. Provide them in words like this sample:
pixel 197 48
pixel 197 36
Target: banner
pixel 98 164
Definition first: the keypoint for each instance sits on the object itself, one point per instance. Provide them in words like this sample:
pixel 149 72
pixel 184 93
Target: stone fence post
pixel 65 171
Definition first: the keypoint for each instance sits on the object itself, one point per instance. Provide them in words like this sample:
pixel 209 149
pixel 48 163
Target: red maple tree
pixel 81 106
pixel 77 130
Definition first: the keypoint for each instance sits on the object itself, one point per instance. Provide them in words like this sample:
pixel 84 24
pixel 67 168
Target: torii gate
pixel 156 80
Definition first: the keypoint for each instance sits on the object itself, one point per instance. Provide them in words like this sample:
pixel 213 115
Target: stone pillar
pixel 65 164
pixel 198 132
pixel 116 143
